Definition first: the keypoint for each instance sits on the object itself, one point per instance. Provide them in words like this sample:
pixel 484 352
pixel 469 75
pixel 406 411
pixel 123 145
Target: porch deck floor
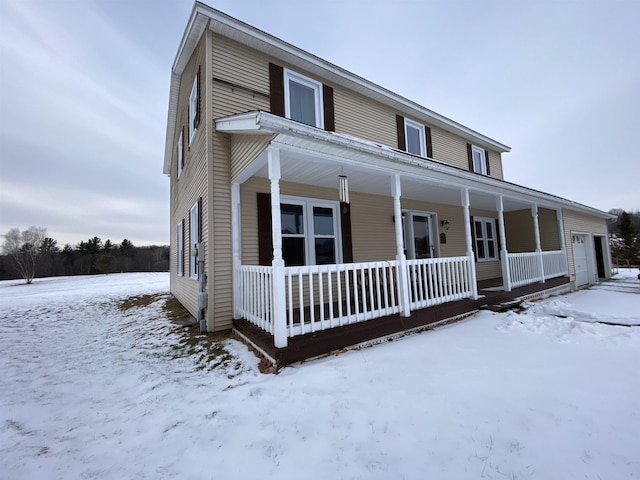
pixel 319 343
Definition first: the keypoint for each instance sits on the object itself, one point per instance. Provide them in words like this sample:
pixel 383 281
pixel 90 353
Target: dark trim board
pixel 319 343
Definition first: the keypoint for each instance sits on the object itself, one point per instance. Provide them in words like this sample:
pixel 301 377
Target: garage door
pixel 580 259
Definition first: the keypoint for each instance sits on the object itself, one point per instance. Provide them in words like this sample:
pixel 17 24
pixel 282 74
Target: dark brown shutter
pixel 402 145
pixel 345 224
pixel 265 239
pixel 329 112
pixel 200 219
pixel 276 89
pixel 427 132
pixel 196 120
pixel 473 237
pixel 486 159
pixel 470 157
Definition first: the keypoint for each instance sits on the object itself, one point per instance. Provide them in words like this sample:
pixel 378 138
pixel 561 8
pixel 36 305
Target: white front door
pixel 419 235
pixel 579 244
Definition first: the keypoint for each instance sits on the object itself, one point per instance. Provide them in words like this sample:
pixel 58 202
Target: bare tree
pixel 24 248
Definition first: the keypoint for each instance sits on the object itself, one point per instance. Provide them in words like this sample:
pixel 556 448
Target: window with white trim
pixel 415 139
pixel 303 99
pixel 180 248
pixel 194 229
pixel 180 157
pixel 193 110
pixel 310 231
pixel 479 160
pixel 485 237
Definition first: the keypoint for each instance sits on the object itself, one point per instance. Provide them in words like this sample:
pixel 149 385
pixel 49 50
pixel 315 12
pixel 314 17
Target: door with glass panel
pixel 419 240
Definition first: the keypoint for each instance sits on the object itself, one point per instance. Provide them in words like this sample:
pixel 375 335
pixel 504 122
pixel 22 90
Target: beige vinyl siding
pixel 244 149
pixel 192 183
pixel 243 66
pixel 578 222
pixel 495 165
pixel 521 235
pixel 493 268
pixel 361 117
pixel 449 148
pixel 220 284
pixel 548 224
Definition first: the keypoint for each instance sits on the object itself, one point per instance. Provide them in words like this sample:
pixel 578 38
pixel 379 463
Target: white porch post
pixel 468 239
pixel 278 290
pixel 506 273
pixel 403 281
pixel 536 231
pixel 235 249
pixel 563 246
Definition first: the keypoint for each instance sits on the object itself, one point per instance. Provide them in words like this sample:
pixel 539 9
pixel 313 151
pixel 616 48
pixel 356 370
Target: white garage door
pixel 580 259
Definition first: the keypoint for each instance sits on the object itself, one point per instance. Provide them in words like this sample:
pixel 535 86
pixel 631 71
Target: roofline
pixel 225 25
pixel 258 122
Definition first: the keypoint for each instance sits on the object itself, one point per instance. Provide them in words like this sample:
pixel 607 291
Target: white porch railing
pixel 327 296
pixel 256 295
pixel 438 280
pixel 555 263
pixel 524 268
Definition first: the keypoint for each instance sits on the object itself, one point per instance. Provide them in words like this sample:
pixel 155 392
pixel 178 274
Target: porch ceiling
pixel 309 167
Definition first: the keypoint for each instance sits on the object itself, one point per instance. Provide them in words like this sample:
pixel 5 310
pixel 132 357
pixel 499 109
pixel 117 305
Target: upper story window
pixel 303 99
pixel 194 107
pixel 180 154
pixel 478 159
pixel 415 139
pixel 485 238
pixel 310 231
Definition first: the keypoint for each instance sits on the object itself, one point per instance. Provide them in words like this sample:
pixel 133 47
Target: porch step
pixel 503 306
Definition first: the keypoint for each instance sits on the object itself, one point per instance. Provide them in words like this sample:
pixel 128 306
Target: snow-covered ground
pixel 88 390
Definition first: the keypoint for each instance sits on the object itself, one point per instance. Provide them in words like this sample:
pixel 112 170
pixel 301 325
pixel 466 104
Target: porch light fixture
pixel 445 224
pixel 344 189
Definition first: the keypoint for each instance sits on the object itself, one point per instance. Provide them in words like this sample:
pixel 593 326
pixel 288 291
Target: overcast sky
pixel 84 93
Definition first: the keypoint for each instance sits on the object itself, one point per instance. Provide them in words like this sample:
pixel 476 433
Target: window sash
pixel 486 241
pixel 415 138
pixel 303 100
pixel 479 160
pixel 315 239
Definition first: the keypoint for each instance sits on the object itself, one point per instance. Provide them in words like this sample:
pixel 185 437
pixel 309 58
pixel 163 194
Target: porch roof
pixel 314 156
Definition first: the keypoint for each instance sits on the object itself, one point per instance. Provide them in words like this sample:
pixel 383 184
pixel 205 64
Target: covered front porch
pixel 369 235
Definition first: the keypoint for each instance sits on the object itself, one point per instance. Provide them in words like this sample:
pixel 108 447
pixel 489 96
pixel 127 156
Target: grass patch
pixel 174 310
pixel 138 301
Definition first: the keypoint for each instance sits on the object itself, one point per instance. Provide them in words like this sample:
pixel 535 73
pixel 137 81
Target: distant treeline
pixel 91 257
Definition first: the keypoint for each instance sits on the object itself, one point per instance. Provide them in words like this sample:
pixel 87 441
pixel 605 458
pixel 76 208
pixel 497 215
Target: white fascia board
pixel 396 161
pixel 245 123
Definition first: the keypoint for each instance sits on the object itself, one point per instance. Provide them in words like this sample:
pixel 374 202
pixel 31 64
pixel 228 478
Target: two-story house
pixel 330 211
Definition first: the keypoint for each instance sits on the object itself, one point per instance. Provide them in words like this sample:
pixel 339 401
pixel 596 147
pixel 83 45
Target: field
pixel 99 382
